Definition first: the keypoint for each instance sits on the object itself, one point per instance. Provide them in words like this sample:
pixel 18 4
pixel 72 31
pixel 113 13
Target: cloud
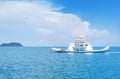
pixel 42 21
pixel 44 32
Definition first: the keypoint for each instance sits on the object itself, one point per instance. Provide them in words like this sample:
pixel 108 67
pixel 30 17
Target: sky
pixel 58 22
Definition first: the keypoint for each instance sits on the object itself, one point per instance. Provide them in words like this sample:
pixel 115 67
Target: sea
pixel 43 63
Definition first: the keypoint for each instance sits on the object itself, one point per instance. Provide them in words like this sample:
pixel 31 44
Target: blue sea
pixel 42 63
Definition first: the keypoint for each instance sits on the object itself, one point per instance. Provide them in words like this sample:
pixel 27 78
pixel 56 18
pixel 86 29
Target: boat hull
pixel 80 51
pixel 59 50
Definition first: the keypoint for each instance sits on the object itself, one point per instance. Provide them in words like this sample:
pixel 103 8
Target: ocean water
pixel 42 63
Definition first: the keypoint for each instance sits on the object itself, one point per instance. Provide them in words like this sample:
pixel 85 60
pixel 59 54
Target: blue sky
pixel 57 22
pixel 100 11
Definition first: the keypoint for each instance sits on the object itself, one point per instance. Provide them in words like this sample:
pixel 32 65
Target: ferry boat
pixel 80 46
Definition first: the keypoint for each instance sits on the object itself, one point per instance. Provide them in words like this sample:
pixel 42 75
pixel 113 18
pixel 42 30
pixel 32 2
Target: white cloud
pixel 44 32
pixel 43 21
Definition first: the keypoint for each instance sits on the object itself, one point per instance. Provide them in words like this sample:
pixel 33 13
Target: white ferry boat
pixel 80 46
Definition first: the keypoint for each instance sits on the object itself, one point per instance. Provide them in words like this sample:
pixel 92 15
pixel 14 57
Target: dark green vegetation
pixel 11 44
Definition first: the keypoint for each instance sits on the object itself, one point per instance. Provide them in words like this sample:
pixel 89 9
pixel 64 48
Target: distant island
pixel 11 44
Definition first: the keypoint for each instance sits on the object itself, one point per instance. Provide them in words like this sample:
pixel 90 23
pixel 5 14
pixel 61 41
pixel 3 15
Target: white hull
pixel 59 50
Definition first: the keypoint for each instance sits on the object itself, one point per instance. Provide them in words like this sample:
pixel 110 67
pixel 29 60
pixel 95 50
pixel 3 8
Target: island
pixel 11 44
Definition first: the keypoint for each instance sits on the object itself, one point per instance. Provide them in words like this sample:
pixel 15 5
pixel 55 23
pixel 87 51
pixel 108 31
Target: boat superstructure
pixel 80 45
